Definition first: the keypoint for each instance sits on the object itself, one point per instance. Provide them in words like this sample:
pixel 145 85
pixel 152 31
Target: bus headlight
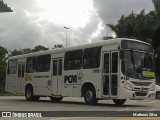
pixel 127 86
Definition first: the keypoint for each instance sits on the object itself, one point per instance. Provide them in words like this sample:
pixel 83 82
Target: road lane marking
pixel 124 109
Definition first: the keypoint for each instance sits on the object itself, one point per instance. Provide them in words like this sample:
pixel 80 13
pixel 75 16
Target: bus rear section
pixel 15 76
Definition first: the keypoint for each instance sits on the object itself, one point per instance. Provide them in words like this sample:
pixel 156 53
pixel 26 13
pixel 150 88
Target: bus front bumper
pixel 136 95
pixel 144 95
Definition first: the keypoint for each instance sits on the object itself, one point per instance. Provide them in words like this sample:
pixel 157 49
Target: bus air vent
pixel 141 93
pixel 141 83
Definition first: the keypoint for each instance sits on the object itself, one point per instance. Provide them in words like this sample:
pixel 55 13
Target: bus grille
pixel 141 83
pixel 138 89
pixel 141 93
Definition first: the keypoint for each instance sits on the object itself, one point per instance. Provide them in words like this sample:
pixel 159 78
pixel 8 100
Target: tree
pixel 107 38
pixel 58 46
pixel 157 6
pixel 15 52
pixel 3 53
pixel 139 26
pixel 145 27
pixel 39 48
pixel 20 52
pixel 156 39
pixel 27 50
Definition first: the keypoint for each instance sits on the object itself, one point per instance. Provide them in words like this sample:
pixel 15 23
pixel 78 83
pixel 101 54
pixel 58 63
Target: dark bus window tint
pixel 19 71
pixel 23 70
pixel 60 67
pixel 12 67
pixel 73 60
pixel 43 63
pixel 106 63
pixel 31 65
pixel 54 67
pixel 91 58
pixel 114 62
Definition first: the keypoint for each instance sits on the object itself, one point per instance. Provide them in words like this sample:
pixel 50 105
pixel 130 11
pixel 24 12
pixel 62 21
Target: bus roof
pixel 83 46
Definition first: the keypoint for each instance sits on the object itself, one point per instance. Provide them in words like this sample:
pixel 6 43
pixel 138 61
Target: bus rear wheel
pixel 119 101
pixel 90 96
pixel 29 93
pixel 56 99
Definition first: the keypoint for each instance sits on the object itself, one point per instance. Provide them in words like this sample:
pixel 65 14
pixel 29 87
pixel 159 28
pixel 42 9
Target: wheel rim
pixel 89 96
pixel 29 93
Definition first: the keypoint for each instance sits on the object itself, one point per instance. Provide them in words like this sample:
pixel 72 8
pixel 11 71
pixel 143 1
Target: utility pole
pixel 66 34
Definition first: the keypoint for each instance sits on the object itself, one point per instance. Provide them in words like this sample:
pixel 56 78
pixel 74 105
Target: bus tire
pixel 119 101
pixel 90 96
pixel 29 93
pixel 158 95
pixel 56 99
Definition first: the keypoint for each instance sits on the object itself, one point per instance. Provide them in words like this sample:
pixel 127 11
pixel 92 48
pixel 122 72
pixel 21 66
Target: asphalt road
pixel 75 108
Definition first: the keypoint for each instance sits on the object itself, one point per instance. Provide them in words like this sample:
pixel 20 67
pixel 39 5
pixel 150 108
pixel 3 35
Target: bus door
pixel 57 76
pixel 21 67
pixel 110 74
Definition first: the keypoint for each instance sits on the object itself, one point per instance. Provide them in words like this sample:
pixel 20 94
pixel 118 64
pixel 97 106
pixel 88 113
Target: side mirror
pixel 121 53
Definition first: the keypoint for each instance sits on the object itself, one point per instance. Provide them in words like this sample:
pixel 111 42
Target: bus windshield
pixel 139 65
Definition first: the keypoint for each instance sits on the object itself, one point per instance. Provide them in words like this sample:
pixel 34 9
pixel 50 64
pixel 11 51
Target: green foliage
pixel 58 46
pixel 107 38
pixel 27 50
pixel 39 48
pixel 3 53
pixel 139 26
pixel 157 6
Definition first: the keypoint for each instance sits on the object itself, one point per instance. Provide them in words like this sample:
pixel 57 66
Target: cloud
pixel 23 28
pixel 111 10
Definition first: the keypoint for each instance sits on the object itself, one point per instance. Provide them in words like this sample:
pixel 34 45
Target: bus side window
pixel 91 58
pixel 43 63
pixel 12 67
pixel 114 62
pixel 106 63
pixel 23 70
pixel 73 60
pixel 60 67
pixel 54 67
pixel 31 65
pixel 19 70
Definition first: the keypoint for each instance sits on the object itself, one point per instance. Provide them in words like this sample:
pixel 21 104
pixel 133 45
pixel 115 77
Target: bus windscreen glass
pixel 135 45
pixel 138 61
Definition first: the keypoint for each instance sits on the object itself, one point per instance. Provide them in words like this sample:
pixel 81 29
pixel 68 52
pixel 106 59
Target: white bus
pixel 116 69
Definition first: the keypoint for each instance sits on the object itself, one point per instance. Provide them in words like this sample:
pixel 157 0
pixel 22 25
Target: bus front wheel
pixel 158 95
pixel 90 96
pixel 119 101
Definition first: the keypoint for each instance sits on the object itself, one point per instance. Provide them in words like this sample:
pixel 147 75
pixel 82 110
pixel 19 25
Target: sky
pixel 41 22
